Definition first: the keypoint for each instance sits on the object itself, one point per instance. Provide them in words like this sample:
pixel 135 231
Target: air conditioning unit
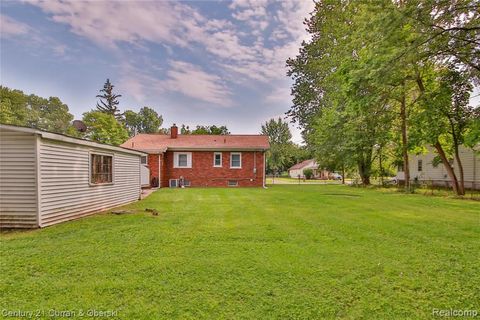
pixel 173 183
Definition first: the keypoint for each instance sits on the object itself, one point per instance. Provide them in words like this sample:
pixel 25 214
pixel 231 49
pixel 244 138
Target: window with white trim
pixel 217 159
pixel 420 166
pixel 182 160
pixel 101 168
pixel 143 160
pixel 236 160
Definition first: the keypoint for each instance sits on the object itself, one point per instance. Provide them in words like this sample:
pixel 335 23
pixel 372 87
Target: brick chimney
pixel 174 132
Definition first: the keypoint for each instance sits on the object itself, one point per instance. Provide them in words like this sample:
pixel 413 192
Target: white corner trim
pixel 38 146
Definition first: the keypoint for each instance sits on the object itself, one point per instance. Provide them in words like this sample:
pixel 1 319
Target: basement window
pixel 232 183
pixel 101 169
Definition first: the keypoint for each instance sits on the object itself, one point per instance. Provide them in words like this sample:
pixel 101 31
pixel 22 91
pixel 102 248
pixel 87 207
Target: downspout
pixel 264 165
pixel 159 170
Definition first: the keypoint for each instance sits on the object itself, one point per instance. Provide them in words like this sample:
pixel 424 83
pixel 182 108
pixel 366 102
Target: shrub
pixel 308 173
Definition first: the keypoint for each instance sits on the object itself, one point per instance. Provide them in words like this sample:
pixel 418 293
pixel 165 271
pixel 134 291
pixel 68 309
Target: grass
pixel 288 180
pixel 287 252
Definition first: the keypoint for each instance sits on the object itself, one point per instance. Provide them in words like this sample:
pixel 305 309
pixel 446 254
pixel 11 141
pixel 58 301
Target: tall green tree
pixel 213 129
pixel 202 129
pixel 33 111
pixel 279 137
pixel 104 128
pixel 109 101
pixel 146 120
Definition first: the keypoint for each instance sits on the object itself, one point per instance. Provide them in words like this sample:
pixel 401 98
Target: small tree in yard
pixel 308 173
pixel 104 128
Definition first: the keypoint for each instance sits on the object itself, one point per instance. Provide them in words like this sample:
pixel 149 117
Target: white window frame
pixel 175 160
pixel 231 156
pixel 90 153
pixel 170 183
pixel 215 158
pixel 146 160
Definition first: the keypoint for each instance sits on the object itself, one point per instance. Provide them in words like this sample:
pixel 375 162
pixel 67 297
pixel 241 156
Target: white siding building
pixel 47 178
pixel 422 169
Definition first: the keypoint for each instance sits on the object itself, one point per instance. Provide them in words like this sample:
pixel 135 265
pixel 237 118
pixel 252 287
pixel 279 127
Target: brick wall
pixel 153 166
pixel 204 174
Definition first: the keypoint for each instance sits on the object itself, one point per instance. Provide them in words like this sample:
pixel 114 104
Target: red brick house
pixel 203 160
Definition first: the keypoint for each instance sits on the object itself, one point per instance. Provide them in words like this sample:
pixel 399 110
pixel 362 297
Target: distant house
pixel 296 171
pixel 422 169
pixel 203 160
pixel 47 178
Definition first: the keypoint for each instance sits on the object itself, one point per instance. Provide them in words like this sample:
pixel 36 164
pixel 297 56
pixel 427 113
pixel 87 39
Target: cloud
pixel 279 94
pixel 181 77
pixel 10 27
pixel 251 44
pixel 192 81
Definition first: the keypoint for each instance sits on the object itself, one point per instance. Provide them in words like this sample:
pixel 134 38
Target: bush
pixel 308 173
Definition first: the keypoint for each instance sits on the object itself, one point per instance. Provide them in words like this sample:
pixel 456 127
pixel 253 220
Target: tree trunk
pixel 380 165
pixel 364 173
pixel 403 118
pixel 449 168
pixel 461 184
pixel 343 174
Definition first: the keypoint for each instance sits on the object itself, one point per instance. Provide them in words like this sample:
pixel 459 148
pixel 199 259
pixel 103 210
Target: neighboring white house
pixel 297 170
pixel 47 178
pixel 422 169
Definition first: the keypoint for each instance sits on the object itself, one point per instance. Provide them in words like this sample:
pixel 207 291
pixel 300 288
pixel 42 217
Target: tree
pixel 104 128
pixel 277 131
pixel 308 173
pixel 132 122
pixel 33 111
pixel 146 120
pixel 279 136
pixel 213 129
pixel 109 100
pixel 208 130
pixel 446 119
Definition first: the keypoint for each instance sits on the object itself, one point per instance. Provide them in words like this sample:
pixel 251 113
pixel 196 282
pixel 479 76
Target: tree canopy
pixel 386 77
pixel 104 128
pixel 18 108
pixel 146 120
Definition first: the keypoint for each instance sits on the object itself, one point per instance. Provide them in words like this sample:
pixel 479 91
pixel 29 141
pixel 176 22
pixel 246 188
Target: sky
pixel 194 62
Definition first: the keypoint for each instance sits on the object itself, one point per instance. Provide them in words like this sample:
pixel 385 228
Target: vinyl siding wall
pixel 18 192
pixel 438 175
pixel 65 189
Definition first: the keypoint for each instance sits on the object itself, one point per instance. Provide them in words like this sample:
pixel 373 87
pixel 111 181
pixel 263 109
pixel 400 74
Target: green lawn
pixel 301 252
pixel 288 180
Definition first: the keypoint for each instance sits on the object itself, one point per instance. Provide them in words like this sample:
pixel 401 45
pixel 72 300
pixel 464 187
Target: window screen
pixel 182 160
pixel 236 160
pixel 101 170
pixel 218 160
